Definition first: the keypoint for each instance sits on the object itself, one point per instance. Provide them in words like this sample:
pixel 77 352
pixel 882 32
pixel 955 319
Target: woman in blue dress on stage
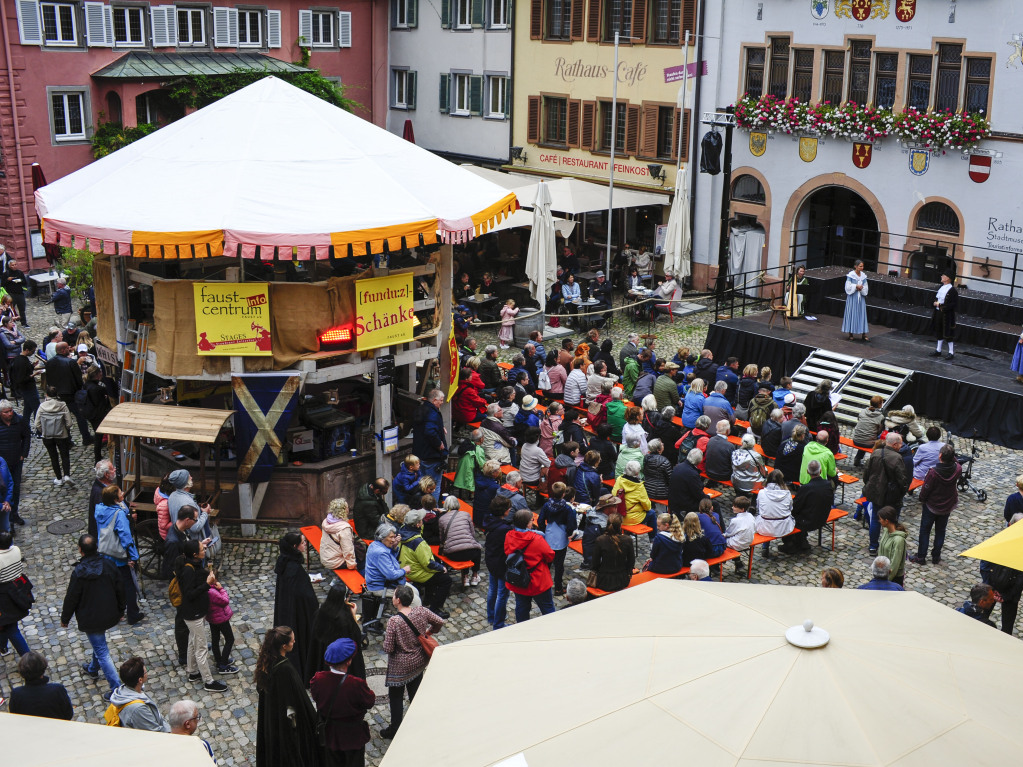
pixel 855 319
pixel 1017 360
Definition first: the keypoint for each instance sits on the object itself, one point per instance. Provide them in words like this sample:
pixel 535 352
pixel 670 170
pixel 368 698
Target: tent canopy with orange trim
pixel 269 166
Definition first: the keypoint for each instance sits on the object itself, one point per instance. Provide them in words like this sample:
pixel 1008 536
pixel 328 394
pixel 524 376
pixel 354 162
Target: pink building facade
pixel 68 65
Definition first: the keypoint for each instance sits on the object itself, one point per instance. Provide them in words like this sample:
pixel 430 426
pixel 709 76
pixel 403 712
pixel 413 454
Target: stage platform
pixel 975 394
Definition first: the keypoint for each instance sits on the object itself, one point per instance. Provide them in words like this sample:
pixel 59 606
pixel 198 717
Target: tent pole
pixel 614 142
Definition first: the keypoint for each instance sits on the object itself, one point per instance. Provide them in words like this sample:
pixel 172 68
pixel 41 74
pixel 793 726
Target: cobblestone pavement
pixel 229 719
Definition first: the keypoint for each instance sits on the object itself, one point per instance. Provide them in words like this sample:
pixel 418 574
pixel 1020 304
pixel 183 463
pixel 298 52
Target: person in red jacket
pixel 467 406
pixel 538 555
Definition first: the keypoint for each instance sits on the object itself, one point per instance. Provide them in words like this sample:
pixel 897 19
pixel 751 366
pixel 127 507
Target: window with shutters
pixel 833 89
pixel 250 28
pixel 618 130
pixel 460 104
pixel 399 88
pixel 497 97
pixel 559 20
pixel 666 27
pixel 919 92
pixel 322 32
pixel 69 114
pixel 60 23
pixel 859 71
pixel 617 18
pixel 666 133
pixel 748 188
pixel 129 26
pixel 463 14
pixel 498 14
pixel 778 77
pixel 403 14
pixel 755 58
pixel 555 120
pixel 191 27
pixel 886 67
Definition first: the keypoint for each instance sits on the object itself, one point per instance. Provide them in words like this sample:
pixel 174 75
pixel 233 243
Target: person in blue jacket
pixel 405 488
pixel 117 544
pixel 429 437
pixel 557 522
pixel 382 568
pixel 729 373
pixel 692 405
pixel 666 549
pixel 588 483
pixel 710 521
pixel 61 300
pixel 7 512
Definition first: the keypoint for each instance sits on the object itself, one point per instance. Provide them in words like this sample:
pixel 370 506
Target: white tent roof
pixel 269 165
pixel 702 672
pixel 569 195
pixel 524 217
pixel 33 741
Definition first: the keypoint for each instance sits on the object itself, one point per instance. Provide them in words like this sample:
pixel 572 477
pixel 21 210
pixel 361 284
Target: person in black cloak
pixel 295 602
pixel 286 725
pixel 335 620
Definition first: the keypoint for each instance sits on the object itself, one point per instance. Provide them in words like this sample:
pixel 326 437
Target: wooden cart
pixel 137 421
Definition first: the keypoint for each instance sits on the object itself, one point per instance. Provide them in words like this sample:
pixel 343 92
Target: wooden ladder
pixel 133 374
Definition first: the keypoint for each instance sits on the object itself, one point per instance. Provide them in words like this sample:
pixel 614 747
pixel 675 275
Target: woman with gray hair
pixel 458 539
pixel 747 466
pixel 656 471
pixel 630 451
pixel 382 566
pixel 636 510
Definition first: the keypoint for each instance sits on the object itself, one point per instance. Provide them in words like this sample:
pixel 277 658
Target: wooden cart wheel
pixel 150 546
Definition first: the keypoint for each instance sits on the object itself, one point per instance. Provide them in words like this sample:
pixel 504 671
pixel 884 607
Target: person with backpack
pixel 95 598
pixel 129 706
pixel 424 569
pixel 528 557
pixel 65 377
pixel 53 423
pixel 557 521
pixel 94 404
pixel 760 408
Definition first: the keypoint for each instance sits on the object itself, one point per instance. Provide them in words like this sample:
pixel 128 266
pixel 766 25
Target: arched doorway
pixel 836 226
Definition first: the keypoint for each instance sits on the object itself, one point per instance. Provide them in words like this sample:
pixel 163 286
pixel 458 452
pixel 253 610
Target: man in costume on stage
pixel 945 315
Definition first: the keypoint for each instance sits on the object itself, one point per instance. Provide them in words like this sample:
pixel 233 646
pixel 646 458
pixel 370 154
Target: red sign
pixel 905 10
pixel 861 9
pixel 980 168
pixel 862 154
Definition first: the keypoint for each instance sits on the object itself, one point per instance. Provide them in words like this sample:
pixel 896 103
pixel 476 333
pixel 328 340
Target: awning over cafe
pixel 272 167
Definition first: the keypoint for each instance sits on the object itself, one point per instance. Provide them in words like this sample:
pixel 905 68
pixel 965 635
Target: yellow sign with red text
pixel 232 319
pixel 383 311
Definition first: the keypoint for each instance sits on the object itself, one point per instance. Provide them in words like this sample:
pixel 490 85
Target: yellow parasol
pixel 1002 548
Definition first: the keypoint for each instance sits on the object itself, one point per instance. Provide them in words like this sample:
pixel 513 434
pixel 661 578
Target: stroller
pixel 966 461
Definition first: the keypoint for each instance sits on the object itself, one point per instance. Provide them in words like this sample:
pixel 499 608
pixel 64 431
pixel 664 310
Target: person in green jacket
pixel 469 464
pixel 630 375
pixel 424 570
pixel 820 452
pixel 616 414
pixel 893 543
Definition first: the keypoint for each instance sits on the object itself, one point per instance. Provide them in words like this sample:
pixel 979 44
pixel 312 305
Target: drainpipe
pixel 694 133
pixel 17 133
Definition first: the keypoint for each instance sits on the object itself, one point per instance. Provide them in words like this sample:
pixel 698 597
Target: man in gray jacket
pixel 137 710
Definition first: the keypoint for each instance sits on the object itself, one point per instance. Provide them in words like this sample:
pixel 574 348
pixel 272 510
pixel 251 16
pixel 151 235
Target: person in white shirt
pixel 575 385
pixel 741 529
pixel 666 288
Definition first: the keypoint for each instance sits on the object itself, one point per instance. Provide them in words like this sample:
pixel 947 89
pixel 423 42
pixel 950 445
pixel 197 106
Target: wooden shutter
pixel 536 20
pixel 533 121
pixel 688 21
pixel 587 131
pixel 445 14
pixel 96 26
pixel 685 136
pixel 165 25
pixel 273 29
pixel 648 137
pixel 572 131
pixel 410 90
pixel 225 27
pixel 477 12
pixel 344 29
pixel 578 16
pixel 305 27
pixel 475 94
pixel 412 13
pixel 30 25
pixel 593 22
pixel 632 129
pixel 639 21
pixel 444 98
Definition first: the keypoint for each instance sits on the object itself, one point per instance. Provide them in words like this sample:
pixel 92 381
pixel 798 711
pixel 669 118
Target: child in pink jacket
pixel 219 618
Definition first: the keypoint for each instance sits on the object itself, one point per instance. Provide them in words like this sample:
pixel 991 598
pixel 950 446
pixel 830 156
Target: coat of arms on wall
pixel 905 10
pixel 861 10
pixel 818 8
pixel 919 161
pixel 757 143
pixel 807 149
pixel 1016 57
pixel 862 154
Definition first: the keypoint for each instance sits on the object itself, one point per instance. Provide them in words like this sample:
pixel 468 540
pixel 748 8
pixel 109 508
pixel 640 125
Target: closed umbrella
pixel 541 260
pixel 1002 548
pixel 721 673
pixel 678 240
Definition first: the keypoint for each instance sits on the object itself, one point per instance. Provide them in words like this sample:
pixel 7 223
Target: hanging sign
pixel 383 311
pixel 232 319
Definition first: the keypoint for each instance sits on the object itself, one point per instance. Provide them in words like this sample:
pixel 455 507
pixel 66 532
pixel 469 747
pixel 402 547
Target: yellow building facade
pixel 564 76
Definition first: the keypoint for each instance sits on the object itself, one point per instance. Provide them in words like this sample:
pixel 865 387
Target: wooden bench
pixel 351 578
pixel 453 564
pixel 849 443
pixel 833 516
pixel 504 365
